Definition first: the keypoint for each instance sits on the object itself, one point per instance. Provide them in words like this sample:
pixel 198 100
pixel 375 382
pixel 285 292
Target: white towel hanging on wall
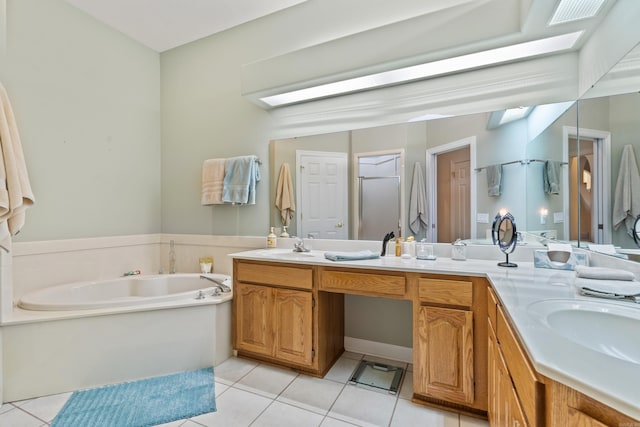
pixel 626 202
pixel 418 215
pixel 285 195
pixel 15 190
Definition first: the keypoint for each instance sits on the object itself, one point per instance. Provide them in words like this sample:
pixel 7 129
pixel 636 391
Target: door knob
pixel 339 225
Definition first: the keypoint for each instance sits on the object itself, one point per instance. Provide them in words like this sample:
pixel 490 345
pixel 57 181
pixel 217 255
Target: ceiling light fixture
pixel 430 69
pixel 574 10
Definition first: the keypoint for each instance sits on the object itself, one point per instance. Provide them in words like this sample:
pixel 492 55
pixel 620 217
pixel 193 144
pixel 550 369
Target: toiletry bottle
pixel 272 239
pixel 398 246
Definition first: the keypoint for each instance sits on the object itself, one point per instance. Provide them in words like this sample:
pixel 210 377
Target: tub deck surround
pixel 112 331
pixel 609 380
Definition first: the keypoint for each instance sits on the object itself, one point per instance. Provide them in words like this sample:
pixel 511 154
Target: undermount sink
pixel 608 328
pixel 290 254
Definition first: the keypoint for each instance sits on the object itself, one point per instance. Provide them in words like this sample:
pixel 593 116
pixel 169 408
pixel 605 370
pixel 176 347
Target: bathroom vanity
pixel 476 348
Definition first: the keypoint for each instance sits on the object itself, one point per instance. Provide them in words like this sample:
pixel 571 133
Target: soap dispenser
pixel 272 240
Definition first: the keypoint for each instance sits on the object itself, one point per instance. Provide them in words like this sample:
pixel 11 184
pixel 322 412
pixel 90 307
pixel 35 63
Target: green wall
pixel 87 103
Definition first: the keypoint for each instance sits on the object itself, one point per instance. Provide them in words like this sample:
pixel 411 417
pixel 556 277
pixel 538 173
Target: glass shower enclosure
pixel 379 196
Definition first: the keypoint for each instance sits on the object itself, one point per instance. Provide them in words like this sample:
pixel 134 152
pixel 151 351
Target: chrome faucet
pixel 298 246
pixel 218 283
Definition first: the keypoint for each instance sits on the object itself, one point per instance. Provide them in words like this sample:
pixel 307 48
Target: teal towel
pixel 351 256
pixel 240 179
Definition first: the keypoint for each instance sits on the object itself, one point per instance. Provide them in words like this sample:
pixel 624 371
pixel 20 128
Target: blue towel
pixel 240 178
pixel 351 256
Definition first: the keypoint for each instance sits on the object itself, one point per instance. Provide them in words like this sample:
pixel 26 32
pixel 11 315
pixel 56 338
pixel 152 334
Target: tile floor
pixel 254 394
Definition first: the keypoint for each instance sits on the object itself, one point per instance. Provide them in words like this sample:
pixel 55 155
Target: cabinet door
pixel 254 324
pixel 504 406
pixel 293 333
pixel 445 345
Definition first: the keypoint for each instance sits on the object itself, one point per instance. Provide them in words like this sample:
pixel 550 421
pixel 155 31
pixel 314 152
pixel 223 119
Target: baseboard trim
pixel 379 349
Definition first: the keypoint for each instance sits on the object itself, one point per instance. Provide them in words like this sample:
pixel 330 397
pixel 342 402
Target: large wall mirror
pixel 458 157
pixel 557 163
pixel 608 121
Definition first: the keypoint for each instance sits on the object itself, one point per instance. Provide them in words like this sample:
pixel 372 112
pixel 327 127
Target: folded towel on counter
pixel 212 181
pixel 608 288
pixel 551 177
pixel 603 273
pixel 240 179
pixel 284 195
pixel 15 190
pixel 351 256
pixel 494 180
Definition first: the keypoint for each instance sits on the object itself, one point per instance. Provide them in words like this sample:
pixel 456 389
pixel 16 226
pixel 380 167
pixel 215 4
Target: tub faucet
pixel 218 283
pixel 298 246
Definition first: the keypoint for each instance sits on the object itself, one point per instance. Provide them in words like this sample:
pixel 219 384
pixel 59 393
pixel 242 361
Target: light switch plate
pixel 482 218
pixel 558 217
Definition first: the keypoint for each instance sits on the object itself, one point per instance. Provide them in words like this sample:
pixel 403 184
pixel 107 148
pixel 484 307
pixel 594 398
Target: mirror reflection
pixel 555 166
pixel 473 165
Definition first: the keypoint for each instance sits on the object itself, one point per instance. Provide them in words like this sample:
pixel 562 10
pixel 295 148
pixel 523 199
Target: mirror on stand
pixel 504 234
pixel 636 231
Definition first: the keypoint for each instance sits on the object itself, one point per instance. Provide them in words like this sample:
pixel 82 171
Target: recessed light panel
pixel 430 69
pixel 573 10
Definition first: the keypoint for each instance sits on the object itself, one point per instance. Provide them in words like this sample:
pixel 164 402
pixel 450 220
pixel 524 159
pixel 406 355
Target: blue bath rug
pixel 146 402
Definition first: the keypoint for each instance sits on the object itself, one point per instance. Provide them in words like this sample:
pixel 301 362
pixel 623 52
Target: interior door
pixel 322 193
pixel 453 195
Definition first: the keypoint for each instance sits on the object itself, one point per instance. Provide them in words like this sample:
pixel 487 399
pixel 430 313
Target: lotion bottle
pixel 272 239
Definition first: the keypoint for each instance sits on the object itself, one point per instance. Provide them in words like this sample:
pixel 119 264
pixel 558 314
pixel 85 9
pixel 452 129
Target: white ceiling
pixel 165 24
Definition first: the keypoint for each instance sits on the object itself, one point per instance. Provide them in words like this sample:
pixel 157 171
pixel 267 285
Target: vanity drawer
pixel 371 284
pixel 269 274
pixel 442 291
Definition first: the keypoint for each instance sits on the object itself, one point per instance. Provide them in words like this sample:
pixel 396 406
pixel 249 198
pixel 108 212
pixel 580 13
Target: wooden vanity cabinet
pixel 278 318
pixel 516 391
pixel 568 407
pixel 449 346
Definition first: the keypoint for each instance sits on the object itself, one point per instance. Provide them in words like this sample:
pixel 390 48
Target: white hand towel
pixel 626 202
pixel 15 190
pixel 603 273
pixel 212 181
pixel 284 195
pixel 418 214
pixel 611 287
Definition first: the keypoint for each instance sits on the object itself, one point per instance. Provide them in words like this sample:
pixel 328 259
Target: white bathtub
pixel 95 333
pixel 124 291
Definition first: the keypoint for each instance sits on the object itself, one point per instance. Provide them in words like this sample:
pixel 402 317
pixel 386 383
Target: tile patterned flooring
pixel 254 394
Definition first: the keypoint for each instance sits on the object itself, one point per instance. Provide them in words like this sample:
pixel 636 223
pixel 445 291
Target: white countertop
pixel 610 380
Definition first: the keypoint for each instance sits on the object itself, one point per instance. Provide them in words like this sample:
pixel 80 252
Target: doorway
pixel 588 180
pixel 450 190
pixel 322 192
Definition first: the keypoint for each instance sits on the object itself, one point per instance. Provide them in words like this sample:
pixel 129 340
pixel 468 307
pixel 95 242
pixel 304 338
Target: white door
pixel 322 193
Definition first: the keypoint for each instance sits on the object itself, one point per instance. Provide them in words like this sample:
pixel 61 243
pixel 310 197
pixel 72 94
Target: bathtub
pixel 82 335
pixel 125 291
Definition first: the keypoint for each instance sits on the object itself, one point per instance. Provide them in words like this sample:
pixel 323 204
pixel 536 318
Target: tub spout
pixel 218 283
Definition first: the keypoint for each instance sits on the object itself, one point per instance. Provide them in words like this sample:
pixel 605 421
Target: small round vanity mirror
pixel 504 234
pixel 636 231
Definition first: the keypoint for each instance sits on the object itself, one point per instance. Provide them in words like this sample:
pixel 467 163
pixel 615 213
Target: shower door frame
pixel 356 188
